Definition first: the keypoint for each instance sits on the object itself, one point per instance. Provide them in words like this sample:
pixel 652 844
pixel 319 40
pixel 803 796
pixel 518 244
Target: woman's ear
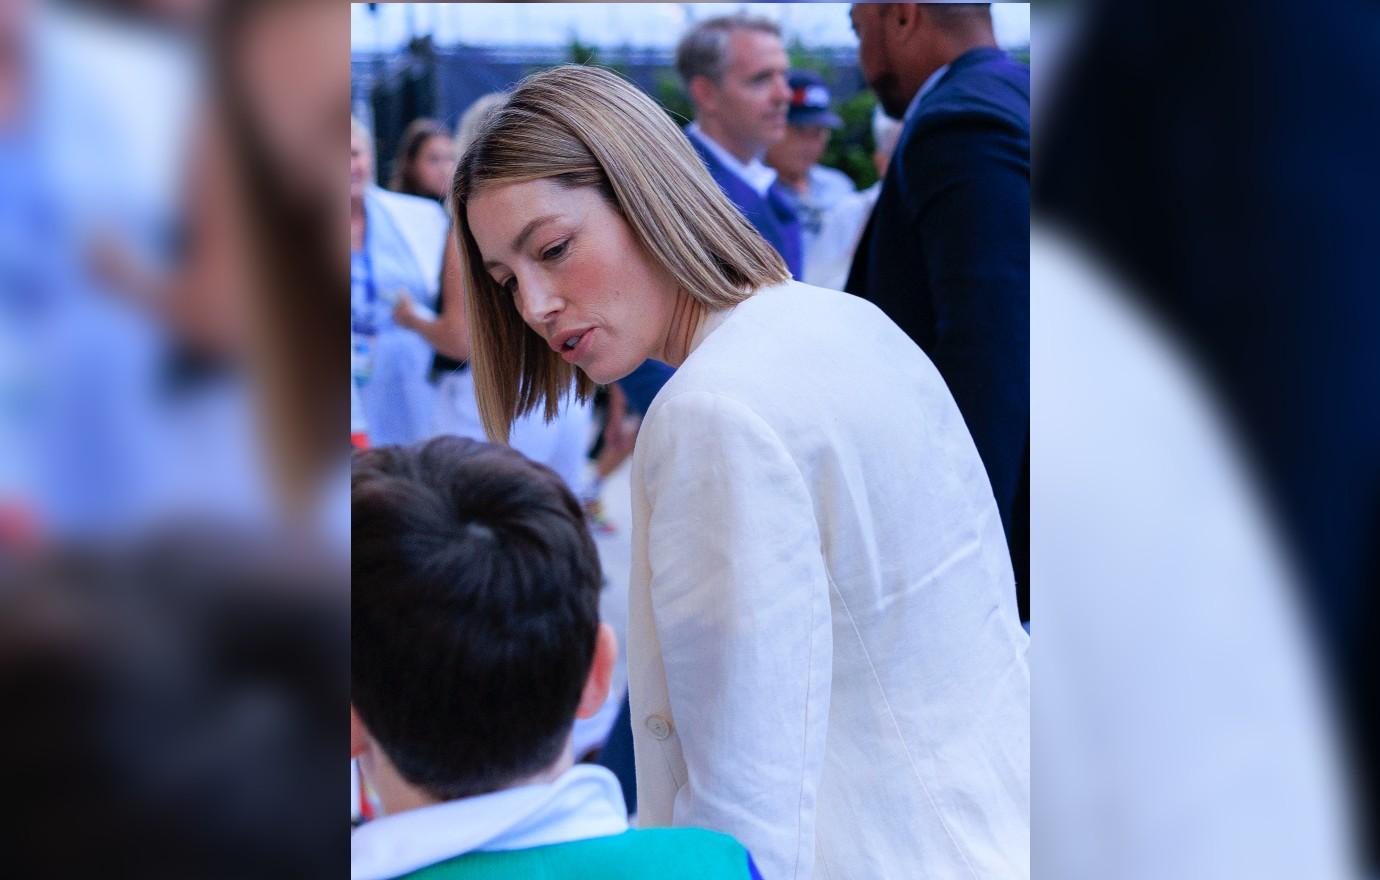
pixel 596 691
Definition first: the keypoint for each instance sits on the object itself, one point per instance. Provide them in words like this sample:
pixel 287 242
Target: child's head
pixel 474 614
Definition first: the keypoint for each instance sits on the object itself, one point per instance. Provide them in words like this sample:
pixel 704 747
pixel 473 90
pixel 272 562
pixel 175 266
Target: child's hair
pixel 474 612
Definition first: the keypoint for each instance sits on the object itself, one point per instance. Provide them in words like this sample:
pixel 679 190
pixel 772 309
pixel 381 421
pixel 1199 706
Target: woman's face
pixel 361 165
pixel 434 164
pixel 576 273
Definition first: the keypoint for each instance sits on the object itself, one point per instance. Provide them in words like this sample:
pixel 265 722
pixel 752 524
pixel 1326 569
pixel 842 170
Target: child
pixel 475 643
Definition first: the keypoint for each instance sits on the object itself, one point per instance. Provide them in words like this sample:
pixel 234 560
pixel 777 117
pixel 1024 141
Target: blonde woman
pixel 562 443
pixel 824 653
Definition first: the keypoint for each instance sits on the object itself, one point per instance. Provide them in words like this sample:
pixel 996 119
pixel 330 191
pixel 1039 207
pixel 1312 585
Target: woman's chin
pixel 601 374
pixel 601 377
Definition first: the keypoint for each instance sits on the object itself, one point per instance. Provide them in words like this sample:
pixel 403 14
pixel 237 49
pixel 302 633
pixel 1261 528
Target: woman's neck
pixel 686 317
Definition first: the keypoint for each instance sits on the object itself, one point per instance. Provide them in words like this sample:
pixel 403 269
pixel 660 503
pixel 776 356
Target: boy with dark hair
pixel 475 643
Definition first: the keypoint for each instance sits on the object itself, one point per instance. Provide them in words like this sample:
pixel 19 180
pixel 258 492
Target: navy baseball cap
pixel 810 101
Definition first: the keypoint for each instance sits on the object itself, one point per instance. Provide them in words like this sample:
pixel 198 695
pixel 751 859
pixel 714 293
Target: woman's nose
pixel 537 303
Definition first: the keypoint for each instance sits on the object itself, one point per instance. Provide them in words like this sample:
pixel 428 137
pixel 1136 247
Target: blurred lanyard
pixel 362 326
pixel 364 321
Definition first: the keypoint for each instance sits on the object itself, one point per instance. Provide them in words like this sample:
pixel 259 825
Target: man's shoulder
pixel 734 186
pixel 698 141
pixel 990 84
pixel 830 184
pixel 671 853
pixel 422 210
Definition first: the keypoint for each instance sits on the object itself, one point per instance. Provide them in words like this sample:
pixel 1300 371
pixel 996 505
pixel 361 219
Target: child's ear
pixel 596 691
pixel 359 734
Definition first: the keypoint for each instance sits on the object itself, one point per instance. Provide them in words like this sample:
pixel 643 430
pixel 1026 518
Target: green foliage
pixel 850 149
pixel 803 59
pixel 577 52
pixel 581 53
pixel 671 95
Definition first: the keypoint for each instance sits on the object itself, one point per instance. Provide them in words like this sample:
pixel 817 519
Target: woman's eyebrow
pixel 522 236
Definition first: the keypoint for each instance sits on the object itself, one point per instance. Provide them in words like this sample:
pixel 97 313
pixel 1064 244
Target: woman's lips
pixel 572 355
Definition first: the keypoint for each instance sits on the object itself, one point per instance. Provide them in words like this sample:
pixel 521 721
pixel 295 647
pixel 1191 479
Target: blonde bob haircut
pixel 585 126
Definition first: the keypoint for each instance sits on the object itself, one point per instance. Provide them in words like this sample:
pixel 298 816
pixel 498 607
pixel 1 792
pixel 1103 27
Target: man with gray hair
pixel 734 69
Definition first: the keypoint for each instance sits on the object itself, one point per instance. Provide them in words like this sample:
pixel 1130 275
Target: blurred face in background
pixel 748 104
pixel 433 165
pixel 876 56
pixel 795 154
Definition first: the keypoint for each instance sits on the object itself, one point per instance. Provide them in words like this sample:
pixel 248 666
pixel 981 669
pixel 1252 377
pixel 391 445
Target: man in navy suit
pixel 734 69
pixel 946 252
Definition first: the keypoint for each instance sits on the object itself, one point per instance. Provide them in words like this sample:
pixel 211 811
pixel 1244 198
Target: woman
pixel 396 242
pixel 425 161
pixel 561 444
pixel 824 653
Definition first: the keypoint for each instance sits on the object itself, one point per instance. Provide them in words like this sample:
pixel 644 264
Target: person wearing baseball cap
pixel 815 189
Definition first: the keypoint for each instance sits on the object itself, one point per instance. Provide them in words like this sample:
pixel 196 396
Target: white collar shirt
pixel 584 802
pixel 755 173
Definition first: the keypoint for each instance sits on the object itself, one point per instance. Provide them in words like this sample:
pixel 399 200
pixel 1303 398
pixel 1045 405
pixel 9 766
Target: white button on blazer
pixel 822 613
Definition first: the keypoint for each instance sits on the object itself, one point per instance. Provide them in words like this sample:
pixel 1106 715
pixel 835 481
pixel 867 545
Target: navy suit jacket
pixel 773 216
pixel 946 254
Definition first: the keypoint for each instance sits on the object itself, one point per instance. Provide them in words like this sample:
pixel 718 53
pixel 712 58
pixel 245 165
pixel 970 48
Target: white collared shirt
pixel 755 174
pixel 925 89
pixel 584 802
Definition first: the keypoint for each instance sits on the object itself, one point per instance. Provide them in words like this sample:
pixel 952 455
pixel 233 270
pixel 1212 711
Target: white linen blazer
pixel 824 653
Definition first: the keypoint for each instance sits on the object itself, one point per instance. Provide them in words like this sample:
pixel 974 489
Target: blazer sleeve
pixel 740 597
pixel 971 211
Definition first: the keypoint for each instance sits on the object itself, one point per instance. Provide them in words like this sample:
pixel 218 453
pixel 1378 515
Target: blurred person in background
pixel 815 189
pixel 396 246
pixel 841 226
pixel 946 251
pixel 425 161
pixel 734 69
pixel 809 569
pixel 446 332
pixel 562 443
pixel 97 436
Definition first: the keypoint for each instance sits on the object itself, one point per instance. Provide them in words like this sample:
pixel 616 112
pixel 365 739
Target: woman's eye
pixel 555 252
pixel 510 286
